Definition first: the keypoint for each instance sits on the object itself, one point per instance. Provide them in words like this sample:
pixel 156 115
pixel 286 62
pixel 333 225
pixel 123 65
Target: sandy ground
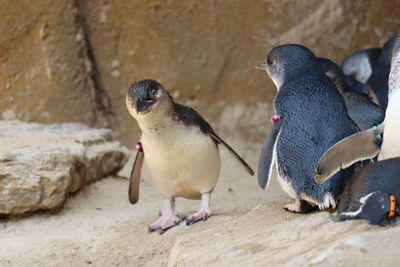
pixel 99 227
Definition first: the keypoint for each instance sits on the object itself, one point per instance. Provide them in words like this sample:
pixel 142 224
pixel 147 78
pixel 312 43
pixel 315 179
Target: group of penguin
pixel 334 140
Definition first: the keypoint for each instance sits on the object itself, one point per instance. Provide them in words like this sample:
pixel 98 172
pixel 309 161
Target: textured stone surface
pixel 269 236
pixel 203 51
pixel 40 165
pixel 43 73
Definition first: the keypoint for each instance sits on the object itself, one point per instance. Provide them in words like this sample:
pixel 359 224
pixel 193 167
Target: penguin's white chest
pixel 391 138
pixel 182 160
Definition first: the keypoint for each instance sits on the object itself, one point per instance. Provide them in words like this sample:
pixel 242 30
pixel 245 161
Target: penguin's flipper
pixel 266 161
pixel 233 152
pixel 134 179
pixel 355 148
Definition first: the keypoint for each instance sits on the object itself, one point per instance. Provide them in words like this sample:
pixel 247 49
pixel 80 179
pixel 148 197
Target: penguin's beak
pixel 141 106
pixel 262 65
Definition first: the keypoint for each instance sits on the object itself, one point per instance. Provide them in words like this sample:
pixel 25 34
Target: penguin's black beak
pixel 141 106
pixel 262 65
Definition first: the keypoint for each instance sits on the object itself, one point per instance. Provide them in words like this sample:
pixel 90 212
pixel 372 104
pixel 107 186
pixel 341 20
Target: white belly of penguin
pixel 183 161
pixel 391 136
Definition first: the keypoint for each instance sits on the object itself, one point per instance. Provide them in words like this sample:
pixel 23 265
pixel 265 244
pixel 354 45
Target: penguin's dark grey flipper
pixel 134 179
pixel 355 148
pixel 233 152
pixel 266 161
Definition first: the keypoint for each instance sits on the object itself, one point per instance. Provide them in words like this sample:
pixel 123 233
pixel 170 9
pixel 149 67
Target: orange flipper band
pixel 392 207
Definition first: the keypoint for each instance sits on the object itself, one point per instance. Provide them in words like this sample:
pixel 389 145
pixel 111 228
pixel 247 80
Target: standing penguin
pixel 314 117
pixel 373 193
pixel 180 149
pixel 360 107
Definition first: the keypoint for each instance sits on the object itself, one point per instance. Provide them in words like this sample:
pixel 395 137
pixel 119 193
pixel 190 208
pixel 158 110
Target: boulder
pixel 41 164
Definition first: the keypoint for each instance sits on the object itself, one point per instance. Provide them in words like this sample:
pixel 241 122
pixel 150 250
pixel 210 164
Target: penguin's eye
pixel 271 61
pixel 153 93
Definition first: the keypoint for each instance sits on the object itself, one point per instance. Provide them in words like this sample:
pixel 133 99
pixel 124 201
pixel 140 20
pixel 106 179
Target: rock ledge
pixel 41 164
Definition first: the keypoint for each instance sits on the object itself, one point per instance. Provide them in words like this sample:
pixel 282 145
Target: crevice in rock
pixel 101 98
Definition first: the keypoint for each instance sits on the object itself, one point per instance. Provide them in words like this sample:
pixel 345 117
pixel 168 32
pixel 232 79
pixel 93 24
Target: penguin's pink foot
pixel 300 206
pixel 162 224
pixel 193 218
pixel 293 207
pixel 168 218
pixel 203 213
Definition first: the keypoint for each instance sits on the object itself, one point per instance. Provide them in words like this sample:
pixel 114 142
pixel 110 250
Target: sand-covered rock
pixel 99 227
pixel 41 164
pixel 269 236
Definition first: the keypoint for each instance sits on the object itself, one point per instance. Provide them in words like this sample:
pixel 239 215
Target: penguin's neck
pixel 154 122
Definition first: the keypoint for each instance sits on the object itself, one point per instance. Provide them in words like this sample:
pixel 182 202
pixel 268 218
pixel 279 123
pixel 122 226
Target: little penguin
pixel 314 117
pixel 180 149
pixel 370 191
pixel 360 64
pixel 373 192
pixel 378 80
pixel 360 107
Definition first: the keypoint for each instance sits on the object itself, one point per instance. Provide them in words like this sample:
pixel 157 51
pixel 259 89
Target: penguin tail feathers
pixel 233 152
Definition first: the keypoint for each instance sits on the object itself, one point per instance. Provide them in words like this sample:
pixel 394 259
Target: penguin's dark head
pixel 375 208
pixel 146 96
pixel 287 61
pixel 334 72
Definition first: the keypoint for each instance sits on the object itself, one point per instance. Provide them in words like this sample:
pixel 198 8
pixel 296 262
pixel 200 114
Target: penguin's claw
pixel 162 224
pixel 197 217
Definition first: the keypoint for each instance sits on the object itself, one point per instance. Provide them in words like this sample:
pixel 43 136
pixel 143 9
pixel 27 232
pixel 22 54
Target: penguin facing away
pixel 314 117
pixel 360 107
pixel 180 149
pixel 373 193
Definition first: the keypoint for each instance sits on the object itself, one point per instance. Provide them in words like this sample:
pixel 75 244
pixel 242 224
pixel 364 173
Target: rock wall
pixel 73 60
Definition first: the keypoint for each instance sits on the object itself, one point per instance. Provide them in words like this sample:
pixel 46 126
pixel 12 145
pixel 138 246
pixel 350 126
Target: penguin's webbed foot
pixel 203 213
pixel 193 218
pixel 300 206
pixel 164 223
